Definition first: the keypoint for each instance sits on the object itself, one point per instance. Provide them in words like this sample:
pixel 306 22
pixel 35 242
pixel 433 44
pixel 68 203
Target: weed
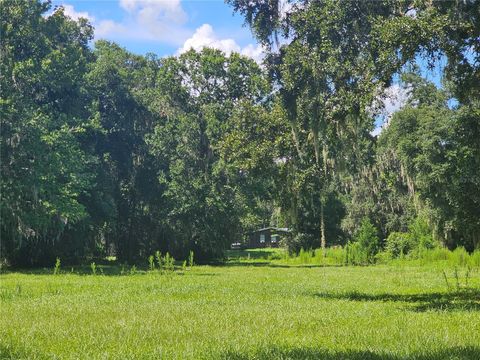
pixel 467 275
pixel 158 257
pixel 446 279
pixel 93 266
pixel 457 280
pixel 184 266
pixel 168 262
pixel 151 263
pixel 190 259
pixel 133 270
pixel 56 269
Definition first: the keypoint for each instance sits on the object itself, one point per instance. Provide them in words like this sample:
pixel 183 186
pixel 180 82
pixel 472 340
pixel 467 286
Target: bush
pixel 399 244
pixel 421 234
pixel 356 255
pixel 475 258
pixel 460 256
pixel 367 240
pixel 298 242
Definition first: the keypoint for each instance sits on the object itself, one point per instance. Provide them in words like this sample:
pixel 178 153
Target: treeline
pixel 104 152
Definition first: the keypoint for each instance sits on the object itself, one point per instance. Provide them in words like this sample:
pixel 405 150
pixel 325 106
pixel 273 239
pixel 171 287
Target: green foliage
pixel 366 242
pixel 168 263
pixel 158 258
pixel 93 267
pixel 133 270
pixel 190 259
pixel 300 241
pixel 151 263
pixel 45 170
pixel 398 244
pixel 56 269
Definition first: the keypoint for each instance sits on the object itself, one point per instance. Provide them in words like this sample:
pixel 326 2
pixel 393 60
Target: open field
pixel 245 310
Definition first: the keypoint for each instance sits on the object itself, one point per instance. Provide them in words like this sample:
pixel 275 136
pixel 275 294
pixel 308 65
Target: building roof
pixel 272 228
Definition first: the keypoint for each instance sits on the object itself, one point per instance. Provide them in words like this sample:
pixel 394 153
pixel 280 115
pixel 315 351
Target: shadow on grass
pixel 463 300
pixel 11 352
pixel 464 353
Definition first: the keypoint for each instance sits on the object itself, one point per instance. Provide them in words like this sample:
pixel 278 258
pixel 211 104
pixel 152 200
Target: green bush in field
pixel 367 240
pixel 421 234
pixel 300 241
pixel 399 244
pixel 356 254
pixel 475 258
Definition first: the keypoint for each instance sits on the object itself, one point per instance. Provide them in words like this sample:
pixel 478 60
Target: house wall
pixel 256 237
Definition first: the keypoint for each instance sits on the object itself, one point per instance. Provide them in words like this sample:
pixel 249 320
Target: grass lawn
pixel 245 310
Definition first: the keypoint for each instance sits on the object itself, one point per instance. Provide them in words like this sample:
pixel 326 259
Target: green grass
pixel 251 309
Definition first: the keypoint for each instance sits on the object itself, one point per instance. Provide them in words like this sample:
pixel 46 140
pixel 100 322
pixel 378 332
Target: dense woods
pixel 104 152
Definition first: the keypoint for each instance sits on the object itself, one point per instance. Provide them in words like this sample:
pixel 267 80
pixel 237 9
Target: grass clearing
pixel 249 309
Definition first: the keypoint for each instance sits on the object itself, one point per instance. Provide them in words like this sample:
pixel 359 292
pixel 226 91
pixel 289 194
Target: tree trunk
pixel 323 241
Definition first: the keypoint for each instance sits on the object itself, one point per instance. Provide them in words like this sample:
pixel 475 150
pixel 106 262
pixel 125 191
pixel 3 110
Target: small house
pixel 267 237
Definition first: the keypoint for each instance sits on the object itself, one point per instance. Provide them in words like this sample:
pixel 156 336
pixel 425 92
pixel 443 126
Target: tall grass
pixel 352 255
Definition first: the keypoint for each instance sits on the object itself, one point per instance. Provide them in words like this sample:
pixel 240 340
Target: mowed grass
pixel 250 310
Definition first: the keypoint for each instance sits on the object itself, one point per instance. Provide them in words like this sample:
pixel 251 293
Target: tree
pixel 204 201
pixel 44 169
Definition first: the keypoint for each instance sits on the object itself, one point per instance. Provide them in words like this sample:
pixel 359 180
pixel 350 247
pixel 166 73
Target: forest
pixel 109 153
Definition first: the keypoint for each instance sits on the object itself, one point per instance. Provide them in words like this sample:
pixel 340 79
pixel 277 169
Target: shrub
pixel 475 258
pixel 367 240
pixel 460 256
pixel 355 254
pixel 300 241
pixel 421 235
pixel 383 257
pixel 399 244
pixel 305 256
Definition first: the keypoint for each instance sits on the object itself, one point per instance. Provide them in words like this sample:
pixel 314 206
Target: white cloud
pixel 108 27
pixel 256 52
pixel 75 15
pixel 285 7
pixel 152 20
pixel 204 36
pixel 393 99
pixel 152 11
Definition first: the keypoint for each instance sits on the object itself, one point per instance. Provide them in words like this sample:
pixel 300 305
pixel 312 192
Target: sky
pixel 166 27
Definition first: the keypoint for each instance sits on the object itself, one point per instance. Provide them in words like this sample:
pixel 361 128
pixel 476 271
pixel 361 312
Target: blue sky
pixel 166 27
